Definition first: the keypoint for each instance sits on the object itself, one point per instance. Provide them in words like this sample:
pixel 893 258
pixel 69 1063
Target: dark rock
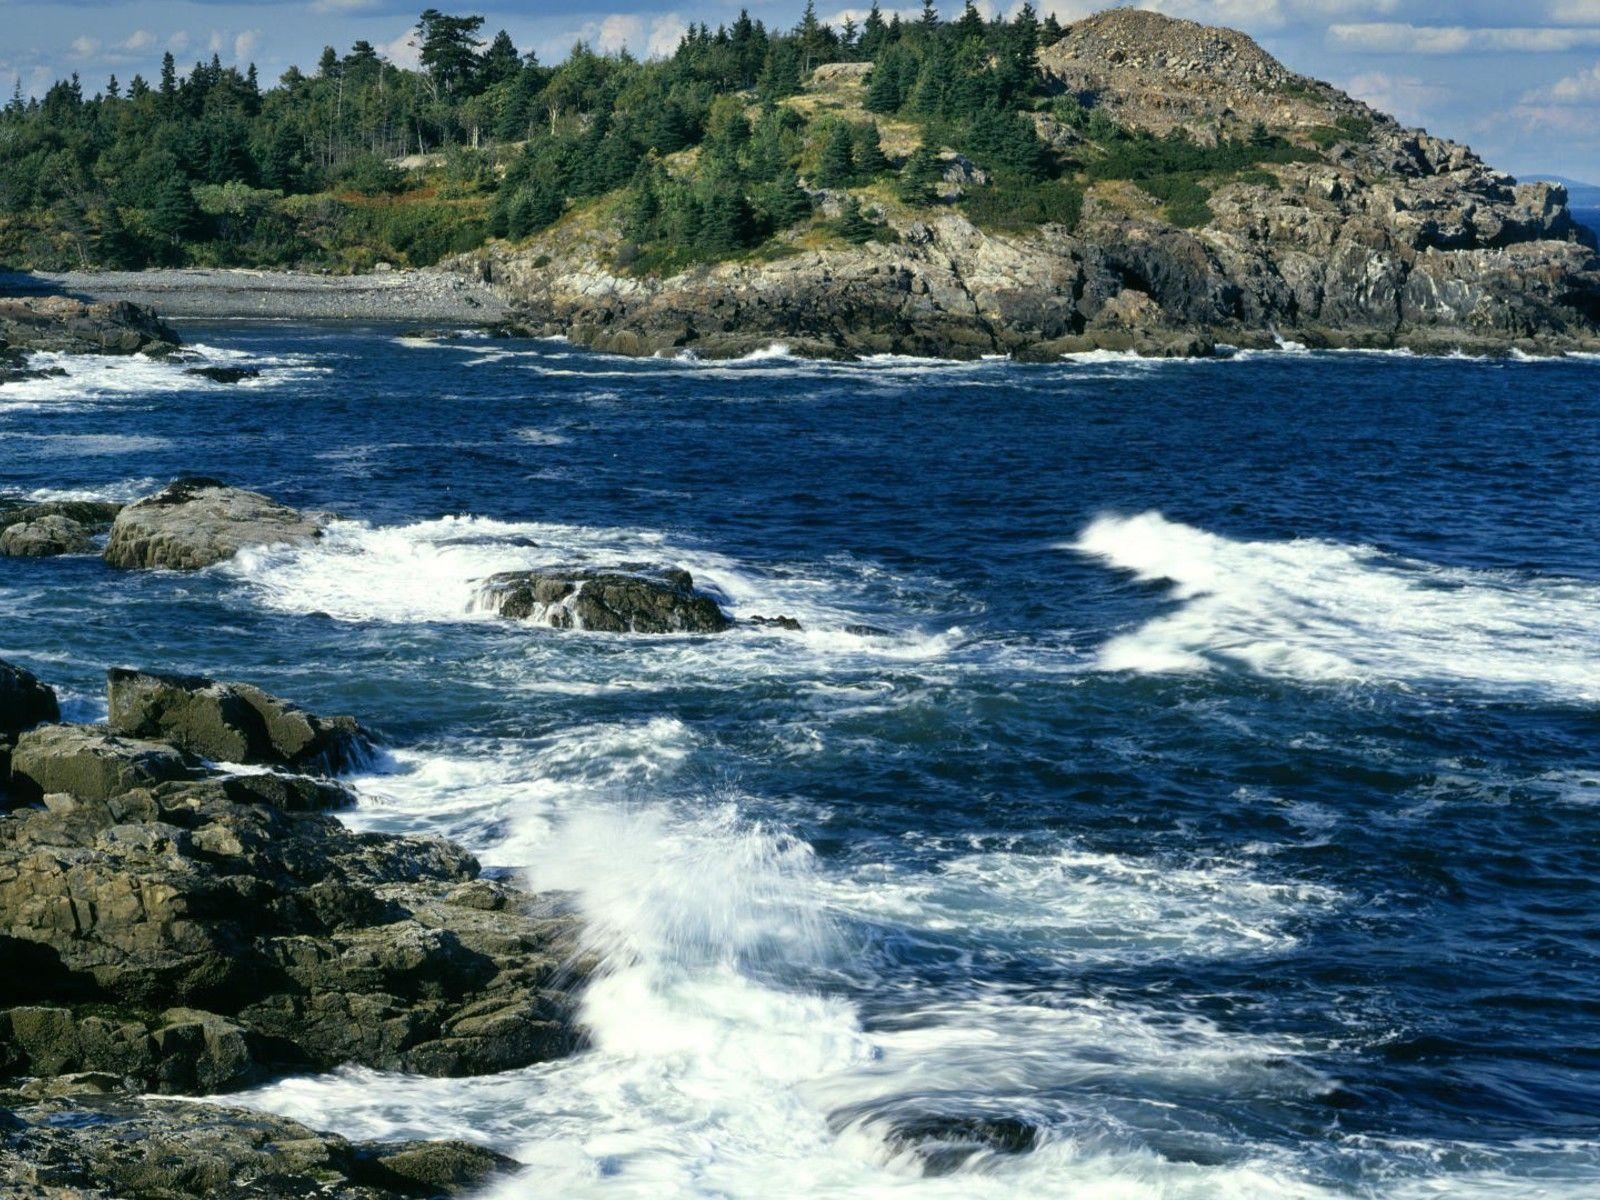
pixel 947 1143
pixel 24 700
pixel 231 722
pixel 91 1143
pixel 789 623
pixel 89 762
pixel 136 886
pixel 94 515
pixel 196 522
pixel 620 601
pixel 224 374
pixel 866 631
pixel 65 325
pixel 47 537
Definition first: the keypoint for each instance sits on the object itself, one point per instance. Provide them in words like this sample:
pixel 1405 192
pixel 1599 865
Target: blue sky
pixel 1519 81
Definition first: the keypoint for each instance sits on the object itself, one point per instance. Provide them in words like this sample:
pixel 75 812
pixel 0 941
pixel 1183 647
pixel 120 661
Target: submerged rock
pixel 196 522
pixel 619 601
pixel 198 931
pixel 91 1145
pixel 225 374
pixel 231 722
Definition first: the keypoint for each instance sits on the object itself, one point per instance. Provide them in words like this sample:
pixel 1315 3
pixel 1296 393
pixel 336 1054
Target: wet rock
pixel 196 522
pixel 224 374
pixel 46 537
pixel 620 601
pixel 265 934
pixel 24 700
pixel 88 762
pixel 65 325
pixel 788 623
pixel 231 722
pixel 90 1145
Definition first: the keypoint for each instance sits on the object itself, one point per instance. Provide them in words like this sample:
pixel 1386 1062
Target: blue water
pixel 1216 811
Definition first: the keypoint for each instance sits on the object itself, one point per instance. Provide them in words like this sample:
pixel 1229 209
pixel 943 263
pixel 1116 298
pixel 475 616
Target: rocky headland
pixel 171 926
pixel 60 324
pixel 1381 237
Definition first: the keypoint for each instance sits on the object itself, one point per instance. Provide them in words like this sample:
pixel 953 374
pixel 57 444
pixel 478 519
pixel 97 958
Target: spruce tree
pixel 853 225
pixel 837 166
pixel 867 150
pixel 920 177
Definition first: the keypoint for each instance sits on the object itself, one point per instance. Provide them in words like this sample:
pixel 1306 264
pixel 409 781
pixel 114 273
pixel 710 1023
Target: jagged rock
pixel 265 934
pixel 196 522
pixel 621 601
pixel 94 1144
pixel 65 325
pixel 787 623
pixel 88 762
pixel 94 515
pixel 231 722
pixel 24 700
pixel 46 537
pixel 225 374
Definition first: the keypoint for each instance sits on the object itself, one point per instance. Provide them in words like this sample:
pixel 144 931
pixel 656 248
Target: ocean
pixel 1185 783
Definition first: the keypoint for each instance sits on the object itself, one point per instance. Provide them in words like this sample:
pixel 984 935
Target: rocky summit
pixel 1363 234
pixel 169 927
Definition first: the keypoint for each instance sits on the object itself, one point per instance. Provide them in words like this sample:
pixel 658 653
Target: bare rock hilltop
pixel 1370 235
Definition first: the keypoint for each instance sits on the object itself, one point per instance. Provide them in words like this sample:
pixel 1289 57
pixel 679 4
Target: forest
pixel 700 156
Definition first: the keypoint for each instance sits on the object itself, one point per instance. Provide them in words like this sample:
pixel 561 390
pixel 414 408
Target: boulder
pixel 265 934
pixel 231 722
pixel 24 701
pixel 225 374
pixel 196 522
pixel 47 537
pixel 88 1141
pixel 88 762
pixel 65 325
pixel 621 601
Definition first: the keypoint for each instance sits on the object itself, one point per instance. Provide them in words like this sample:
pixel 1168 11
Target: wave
pixel 1328 612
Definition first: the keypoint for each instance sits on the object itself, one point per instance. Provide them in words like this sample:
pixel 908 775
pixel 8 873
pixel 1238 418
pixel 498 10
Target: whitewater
pixel 1175 789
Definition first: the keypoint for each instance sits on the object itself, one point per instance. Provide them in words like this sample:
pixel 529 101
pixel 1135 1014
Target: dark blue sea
pixel 1186 783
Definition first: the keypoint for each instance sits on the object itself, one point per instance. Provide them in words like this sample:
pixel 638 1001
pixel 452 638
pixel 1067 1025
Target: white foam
pixel 1325 611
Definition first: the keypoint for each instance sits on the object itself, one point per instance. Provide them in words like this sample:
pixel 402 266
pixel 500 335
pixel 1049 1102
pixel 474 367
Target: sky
pixel 1518 80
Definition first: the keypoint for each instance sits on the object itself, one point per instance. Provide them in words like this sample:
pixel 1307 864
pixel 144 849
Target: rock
pixel 90 1145
pixel 45 538
pixel 231 722
pixel 225 374
pixel 65 325
pixel 788 623
pixel 24 700
pixel 621 601
pixel 264 934
pixel 196 522
pixel 88 762
pixel 94 515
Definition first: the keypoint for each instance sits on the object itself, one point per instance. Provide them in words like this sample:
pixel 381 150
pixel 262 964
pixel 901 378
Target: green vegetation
pixel 712 153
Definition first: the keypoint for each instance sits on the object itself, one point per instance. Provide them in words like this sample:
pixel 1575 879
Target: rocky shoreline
pixel 173 927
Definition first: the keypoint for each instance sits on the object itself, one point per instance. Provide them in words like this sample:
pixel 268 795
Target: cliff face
pixel 1390 238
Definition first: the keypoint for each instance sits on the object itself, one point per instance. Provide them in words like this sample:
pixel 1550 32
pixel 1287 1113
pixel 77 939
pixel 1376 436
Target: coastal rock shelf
pixel 197 522
pixel 172 927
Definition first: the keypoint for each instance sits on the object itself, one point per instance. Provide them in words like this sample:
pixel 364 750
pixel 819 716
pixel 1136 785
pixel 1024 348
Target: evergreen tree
pixel 780 77
pixel 174 217
pixel 501 62
pixel 853 225
pixel 449 50
pixel 920 177
pixel 837 166
pixel 874 33
pixel 867 150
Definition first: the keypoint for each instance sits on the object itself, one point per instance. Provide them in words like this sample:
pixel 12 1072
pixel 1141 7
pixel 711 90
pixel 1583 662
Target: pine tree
pixel 500 61
pixel 920 177
pixel 867 149
pixel 837 166
pixel 780 78
pixel 853 225
pixel 449 50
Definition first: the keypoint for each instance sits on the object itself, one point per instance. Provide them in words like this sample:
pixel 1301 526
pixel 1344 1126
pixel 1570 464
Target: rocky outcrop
pixel 68 326
pixel 24 700
pixel 189 930
pixel 231 722
pixel 630 601
pixel 1390 237
pixel 78 1139
pixel 52 528
pixel 197 522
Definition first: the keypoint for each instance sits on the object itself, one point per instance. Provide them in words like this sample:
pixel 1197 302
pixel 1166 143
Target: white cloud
pixel 139 39
pixel 623 31
pixel 618 32
pixel 1581 88
pixel 1575 12
pixel 1394 37
pixel 244 44
pixel 85 47
pixel 178 42
pixel 1409 99
pixel 666 31
pixel 403 51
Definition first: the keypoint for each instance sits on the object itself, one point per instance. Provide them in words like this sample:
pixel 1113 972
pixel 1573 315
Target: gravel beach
pixel 419 296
